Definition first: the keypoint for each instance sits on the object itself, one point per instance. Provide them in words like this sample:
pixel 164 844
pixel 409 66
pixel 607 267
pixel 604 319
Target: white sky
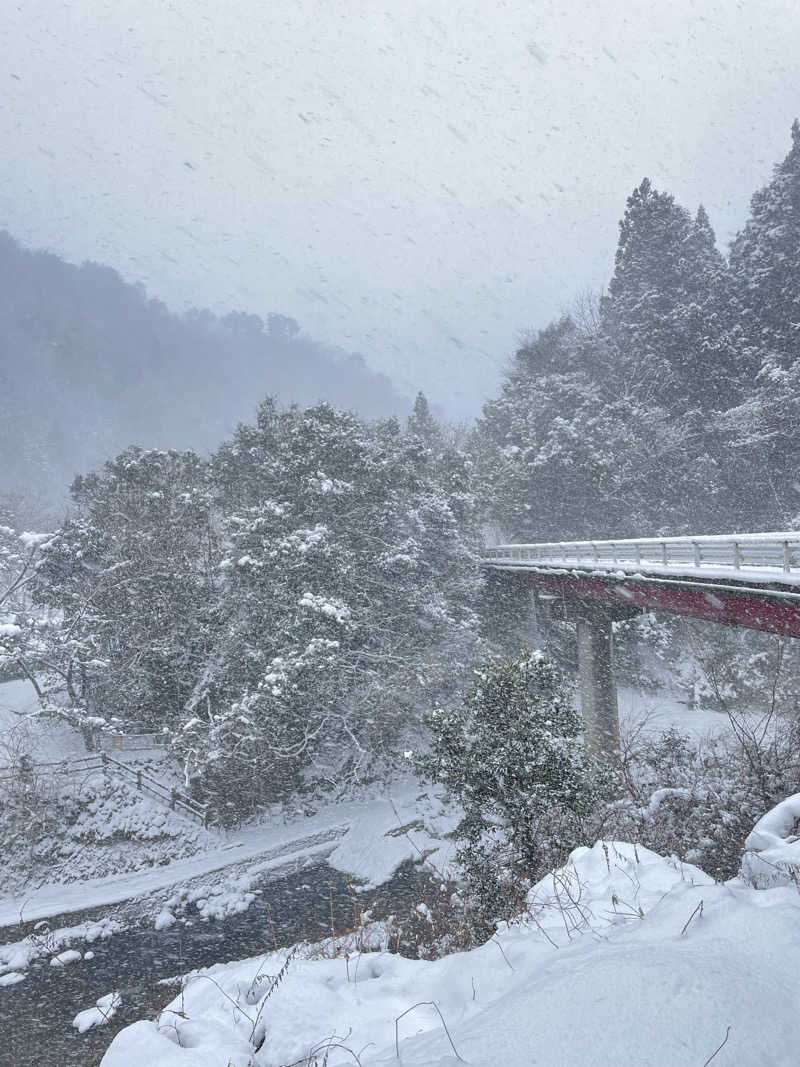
pixel 422 180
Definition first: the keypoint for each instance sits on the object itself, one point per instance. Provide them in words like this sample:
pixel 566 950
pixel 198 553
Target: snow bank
pixel 624 958
pixel 777 826
pixel 772 848
pixel 610 883
pixel 70 955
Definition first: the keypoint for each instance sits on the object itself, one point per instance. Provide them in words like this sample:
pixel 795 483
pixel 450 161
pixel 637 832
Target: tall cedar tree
pixel 764 430
pixel 662 310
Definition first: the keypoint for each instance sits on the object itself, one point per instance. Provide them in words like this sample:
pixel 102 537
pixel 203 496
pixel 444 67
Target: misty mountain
pixel 90 364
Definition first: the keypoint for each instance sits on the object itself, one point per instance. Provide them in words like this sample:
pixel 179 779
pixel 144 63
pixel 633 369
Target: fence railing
pixel 773 552
pixel 146 739
pixel 101 761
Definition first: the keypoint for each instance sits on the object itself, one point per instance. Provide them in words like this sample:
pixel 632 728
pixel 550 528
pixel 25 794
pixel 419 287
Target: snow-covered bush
pixel 510 753
pixel 699 800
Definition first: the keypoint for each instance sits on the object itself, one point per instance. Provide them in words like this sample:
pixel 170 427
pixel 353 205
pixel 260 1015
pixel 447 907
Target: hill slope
pixel 89 364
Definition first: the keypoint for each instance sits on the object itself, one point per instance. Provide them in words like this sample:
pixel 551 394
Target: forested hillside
pixel 671 406
pixel 90 364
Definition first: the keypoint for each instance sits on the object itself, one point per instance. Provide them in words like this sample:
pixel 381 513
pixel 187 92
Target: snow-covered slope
pixel 626 958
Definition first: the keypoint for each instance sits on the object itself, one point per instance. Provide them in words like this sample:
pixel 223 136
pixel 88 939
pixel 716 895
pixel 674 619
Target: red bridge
pixel 748 580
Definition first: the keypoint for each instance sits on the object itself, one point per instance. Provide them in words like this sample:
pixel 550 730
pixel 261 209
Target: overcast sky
pixel 421 180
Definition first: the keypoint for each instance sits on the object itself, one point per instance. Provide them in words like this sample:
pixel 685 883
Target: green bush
pixel 511 755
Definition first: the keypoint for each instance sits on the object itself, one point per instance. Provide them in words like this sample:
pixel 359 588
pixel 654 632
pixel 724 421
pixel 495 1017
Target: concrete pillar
pixel 598 687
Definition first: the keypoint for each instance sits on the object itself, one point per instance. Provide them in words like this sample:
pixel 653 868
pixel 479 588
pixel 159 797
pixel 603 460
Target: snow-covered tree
pixel 765 268
pixel 763 431
pixel 282 610
pixel 20 636
pixel 422 424
pixel 510 754
pixel 663 309
pixel 569 450
pixel 348 590
pixel 132 574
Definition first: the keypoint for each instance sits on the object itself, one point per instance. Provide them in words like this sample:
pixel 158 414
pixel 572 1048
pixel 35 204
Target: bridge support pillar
pixel 598 687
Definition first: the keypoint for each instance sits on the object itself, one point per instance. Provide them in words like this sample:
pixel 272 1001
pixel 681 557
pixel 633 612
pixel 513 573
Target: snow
pixel 629 569
pixel 625 957
pixel 364 838
pixel 17 956
pixel 22 727
pixel 34 540
pixel 656 712
pixel 105 1008
pixel 780 823
pixel 772 849
pixel 71 955
pixel 333 609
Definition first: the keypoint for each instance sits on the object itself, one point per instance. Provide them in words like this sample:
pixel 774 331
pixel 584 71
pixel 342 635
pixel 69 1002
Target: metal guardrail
pixel 101 761
pixel 773 552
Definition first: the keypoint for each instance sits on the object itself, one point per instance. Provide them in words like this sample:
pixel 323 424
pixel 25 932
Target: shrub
pixel 511 755
pixel 699 800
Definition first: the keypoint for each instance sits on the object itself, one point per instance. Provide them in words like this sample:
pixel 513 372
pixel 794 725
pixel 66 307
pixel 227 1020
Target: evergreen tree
pixel 574 454
pixel 349 588
pixel 285 609
pixel 133 574
pixel 764 430
pixel 422 424
pixel 662 310
pixel 765 268
pixel 510 753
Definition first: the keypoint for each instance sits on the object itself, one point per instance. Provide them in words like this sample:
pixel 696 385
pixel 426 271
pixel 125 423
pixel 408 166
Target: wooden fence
pixel 102 761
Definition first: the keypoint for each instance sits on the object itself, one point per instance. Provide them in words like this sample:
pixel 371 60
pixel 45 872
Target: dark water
pixel 36 1015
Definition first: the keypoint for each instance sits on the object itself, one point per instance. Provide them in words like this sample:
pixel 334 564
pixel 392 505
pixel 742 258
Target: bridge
pixel 750 580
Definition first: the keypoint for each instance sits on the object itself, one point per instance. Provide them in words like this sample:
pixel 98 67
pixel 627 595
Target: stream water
pixel 36 1014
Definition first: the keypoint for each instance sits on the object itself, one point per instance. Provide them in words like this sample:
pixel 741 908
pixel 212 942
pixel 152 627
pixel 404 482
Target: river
pixel 36 1014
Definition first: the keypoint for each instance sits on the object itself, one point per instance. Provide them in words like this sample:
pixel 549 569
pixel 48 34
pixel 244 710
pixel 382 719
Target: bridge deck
pixel 750 580
pixel 764 559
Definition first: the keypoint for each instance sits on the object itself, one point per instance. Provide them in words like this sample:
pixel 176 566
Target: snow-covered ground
pixel 122 829
pixel 625 958
pixel 21 724
pixel 664 709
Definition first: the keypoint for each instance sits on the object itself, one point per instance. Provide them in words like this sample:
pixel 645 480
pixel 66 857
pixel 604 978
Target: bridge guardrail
pixel 776 552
